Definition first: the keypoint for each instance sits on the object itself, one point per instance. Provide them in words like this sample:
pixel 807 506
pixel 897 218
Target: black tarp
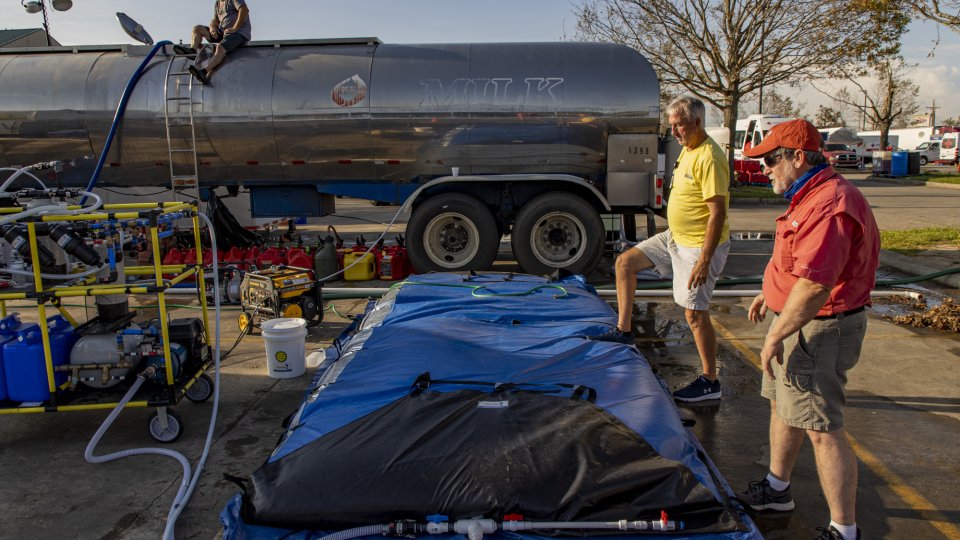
pixel 466 452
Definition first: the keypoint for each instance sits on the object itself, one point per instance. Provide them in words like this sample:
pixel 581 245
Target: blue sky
pixel 427 21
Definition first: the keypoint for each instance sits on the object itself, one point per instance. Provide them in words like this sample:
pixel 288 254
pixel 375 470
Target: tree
pixel 667 94
pixel 888 97
pixel 723 50
pixel 828 117
pixel 945 12
pixel 839 104
pixel 776 103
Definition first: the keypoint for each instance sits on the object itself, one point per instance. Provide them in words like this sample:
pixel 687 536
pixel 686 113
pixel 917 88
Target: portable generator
pixel 280 291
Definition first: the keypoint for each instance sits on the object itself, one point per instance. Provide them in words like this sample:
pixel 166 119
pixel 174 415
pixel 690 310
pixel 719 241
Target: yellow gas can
pixel 364 270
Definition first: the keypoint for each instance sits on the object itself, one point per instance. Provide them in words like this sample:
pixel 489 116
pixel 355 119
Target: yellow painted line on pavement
pixel 737 343
pixel 912 497
pixel 909 495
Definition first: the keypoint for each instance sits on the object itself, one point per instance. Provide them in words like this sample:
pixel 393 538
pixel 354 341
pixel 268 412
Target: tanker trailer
pixel 535 140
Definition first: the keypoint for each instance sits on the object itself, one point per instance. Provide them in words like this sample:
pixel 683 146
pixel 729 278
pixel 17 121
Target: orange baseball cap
pixel 793 134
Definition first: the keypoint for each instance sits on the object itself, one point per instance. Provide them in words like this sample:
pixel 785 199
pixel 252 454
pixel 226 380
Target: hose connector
pixel 474 529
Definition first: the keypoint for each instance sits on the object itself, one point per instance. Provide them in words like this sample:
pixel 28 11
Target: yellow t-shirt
pixel 700 174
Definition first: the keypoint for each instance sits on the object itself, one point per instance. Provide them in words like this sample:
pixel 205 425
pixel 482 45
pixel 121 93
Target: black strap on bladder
pixel 424 381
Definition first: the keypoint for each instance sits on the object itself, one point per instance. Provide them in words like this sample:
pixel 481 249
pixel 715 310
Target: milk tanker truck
pixel 534 140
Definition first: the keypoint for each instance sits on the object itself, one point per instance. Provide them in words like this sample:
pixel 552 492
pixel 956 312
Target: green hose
pixel 759 281
pixel 925 277
pixel 475 288
pixel 668 284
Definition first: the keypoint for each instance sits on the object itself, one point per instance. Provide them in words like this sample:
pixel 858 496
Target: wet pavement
pixel 903 411
pixel 903 414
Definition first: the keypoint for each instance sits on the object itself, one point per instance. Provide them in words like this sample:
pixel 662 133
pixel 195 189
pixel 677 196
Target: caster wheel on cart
pixel 245 322
pixel 201 390
pixel 174 427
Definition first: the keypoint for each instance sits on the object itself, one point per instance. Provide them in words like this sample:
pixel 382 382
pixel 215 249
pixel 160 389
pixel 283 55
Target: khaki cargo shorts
pixel 809 386
pixel 671 259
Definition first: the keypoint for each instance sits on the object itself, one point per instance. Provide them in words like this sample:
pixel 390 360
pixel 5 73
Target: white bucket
pixel 285 340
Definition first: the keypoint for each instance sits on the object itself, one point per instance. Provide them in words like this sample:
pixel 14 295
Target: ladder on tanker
pixel 181 101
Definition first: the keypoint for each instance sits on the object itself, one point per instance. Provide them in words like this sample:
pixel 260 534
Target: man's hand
pixel 772 348
pixel 758 309
pixel 699 274
pixel 214 31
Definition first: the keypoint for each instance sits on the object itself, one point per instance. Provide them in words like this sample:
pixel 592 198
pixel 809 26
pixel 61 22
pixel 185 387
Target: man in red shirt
pixel 817 283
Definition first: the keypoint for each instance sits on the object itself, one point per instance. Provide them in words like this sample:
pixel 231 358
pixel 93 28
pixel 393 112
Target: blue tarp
pixel 490 327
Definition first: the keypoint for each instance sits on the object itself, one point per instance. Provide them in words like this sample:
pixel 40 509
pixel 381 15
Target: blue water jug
pixel 25 367
pixel 9 326
pixel 62 340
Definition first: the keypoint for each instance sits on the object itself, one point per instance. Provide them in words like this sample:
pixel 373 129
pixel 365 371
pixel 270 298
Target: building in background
pixel 25 37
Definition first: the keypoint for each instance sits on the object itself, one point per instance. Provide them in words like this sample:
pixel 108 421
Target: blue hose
pixel 118 116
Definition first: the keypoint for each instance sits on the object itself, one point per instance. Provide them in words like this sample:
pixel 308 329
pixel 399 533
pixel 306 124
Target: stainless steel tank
pixel 332 113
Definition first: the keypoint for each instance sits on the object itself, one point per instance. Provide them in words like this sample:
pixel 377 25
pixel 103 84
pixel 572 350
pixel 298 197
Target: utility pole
pixel 933 114
pixel 863 114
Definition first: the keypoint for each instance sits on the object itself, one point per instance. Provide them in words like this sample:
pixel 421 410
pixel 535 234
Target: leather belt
pixel 846 313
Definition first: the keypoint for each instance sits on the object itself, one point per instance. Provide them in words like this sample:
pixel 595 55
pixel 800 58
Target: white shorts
pixel 671 259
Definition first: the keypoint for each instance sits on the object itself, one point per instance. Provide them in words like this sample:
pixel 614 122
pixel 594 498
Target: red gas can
pixel 173 256
pixel 269 257
pixel 234 257
pixel 392 263
pixel 298 258
pixel 250 258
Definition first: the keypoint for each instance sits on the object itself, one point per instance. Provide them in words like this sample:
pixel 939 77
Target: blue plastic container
pixel 24 363
pixel 62 340
pixel 9 326
pixel 898 163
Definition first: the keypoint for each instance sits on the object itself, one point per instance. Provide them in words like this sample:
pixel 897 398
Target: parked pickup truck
pixel 840 155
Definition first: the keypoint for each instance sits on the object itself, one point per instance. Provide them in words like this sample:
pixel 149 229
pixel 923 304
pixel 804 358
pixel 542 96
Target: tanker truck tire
pixel 452 232
pixel 558 231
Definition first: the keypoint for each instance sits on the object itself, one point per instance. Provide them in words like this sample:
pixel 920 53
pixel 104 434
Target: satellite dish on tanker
pixel 134 29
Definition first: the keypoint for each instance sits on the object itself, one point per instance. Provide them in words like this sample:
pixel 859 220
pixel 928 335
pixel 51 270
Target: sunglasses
pixel 771 160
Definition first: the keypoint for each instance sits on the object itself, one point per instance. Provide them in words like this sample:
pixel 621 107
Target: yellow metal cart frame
pixel 175 388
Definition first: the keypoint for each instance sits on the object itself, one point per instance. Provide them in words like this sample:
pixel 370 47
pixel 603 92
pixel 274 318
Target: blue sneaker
pixel 615 335
pixel 699 390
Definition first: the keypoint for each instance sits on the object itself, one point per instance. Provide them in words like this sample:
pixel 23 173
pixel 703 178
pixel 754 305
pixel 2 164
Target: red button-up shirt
pixel 828 235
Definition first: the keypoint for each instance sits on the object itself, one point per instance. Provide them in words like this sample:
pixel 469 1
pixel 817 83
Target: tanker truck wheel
pixel 557 230
pixel 452 232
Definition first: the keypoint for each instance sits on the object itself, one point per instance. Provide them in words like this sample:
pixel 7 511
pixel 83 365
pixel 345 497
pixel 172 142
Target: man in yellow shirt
pixel 694 247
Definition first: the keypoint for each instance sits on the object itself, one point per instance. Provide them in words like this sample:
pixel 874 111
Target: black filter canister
pixel 72 244
pixel 109 312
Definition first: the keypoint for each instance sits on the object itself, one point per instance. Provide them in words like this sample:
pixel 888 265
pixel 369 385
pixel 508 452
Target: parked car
pixel 929 151
pixel 840 155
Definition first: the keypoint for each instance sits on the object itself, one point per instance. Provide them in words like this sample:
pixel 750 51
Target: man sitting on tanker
pixel 229 29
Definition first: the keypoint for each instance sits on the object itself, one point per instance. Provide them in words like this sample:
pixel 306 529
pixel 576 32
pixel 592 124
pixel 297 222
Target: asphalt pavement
pixel 903 411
